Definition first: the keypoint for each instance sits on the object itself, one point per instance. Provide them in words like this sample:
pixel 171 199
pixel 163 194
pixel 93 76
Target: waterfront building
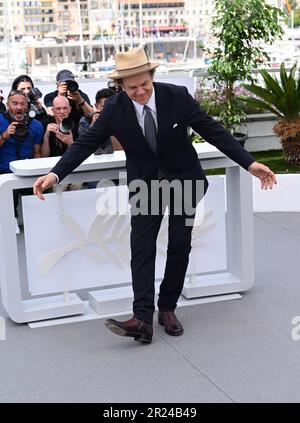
pixel 57 18
pixel 52 32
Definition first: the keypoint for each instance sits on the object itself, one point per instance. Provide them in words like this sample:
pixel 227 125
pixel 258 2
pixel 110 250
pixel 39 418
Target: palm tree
pixel 281 97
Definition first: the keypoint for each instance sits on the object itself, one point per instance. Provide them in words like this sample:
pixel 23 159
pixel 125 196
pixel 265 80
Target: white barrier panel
pixel 284 197
pixel 236 276
pixel 69 246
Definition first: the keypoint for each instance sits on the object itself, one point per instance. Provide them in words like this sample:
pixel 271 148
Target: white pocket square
pixel 175 124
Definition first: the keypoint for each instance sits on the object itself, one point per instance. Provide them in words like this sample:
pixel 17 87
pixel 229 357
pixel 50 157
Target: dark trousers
pixel 144 232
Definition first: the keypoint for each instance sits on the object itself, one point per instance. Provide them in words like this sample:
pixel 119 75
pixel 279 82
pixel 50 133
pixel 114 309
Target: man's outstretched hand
pixel 265 174
pixel 42 183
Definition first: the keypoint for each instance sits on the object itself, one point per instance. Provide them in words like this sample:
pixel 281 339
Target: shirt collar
pixel 139 108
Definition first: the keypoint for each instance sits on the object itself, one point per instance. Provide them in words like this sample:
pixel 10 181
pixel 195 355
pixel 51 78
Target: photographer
pixel 58 136
pixel 68 87
pixel 2 105
pixel 112 85
pixel 88 121
pixel 20 136
pixel 59 133
pixel 35 109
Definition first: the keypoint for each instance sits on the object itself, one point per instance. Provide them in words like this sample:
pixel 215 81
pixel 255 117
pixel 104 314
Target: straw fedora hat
pixel 132 62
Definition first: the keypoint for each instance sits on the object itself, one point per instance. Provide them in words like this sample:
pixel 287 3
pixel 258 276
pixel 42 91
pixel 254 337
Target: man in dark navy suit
pixel 150 120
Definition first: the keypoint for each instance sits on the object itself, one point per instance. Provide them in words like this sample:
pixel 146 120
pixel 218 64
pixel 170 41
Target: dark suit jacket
pixel 176 157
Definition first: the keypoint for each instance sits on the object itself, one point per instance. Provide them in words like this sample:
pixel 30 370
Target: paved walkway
pixel 231 351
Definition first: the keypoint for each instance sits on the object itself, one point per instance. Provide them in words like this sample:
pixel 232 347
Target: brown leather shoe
pixel 170 322
pixel 137 329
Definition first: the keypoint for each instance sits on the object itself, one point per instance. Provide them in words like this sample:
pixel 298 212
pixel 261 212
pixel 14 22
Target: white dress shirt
pixel 140 112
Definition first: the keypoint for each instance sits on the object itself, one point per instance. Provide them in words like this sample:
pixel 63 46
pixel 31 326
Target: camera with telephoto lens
pixel 66 125
pixel 34 109
pixel 34 94
pixel 72 86
pixel 113 86
pixel 22 129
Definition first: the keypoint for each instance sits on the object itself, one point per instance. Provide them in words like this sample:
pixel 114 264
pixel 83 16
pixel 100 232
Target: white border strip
pixel 90 314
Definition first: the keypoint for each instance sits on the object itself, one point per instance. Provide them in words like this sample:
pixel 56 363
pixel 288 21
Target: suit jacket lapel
pixel 162 114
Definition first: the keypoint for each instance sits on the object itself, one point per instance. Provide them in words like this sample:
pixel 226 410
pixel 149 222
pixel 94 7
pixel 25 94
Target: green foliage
pixel 212 100
pixel 280 96
pixel 196 138
pixel 274 159
pixel 296 19
pixel 238 27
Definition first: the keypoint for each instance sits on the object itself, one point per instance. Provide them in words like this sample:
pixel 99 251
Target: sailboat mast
pixel 141 22
pixel 80 30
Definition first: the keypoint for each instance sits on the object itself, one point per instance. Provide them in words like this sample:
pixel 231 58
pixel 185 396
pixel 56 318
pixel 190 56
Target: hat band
pixel 125 71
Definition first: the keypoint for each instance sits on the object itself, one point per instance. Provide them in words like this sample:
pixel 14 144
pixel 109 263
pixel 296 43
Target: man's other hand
pixel 42 183
pixel 264 173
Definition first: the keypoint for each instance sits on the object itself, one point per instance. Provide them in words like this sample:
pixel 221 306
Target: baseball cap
pixel 65 75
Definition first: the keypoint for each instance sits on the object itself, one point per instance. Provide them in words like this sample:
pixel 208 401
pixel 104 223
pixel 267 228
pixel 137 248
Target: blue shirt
pixel 12 149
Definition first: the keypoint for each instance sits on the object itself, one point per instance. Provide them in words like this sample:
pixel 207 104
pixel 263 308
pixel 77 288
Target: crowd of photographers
pixel 30 129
